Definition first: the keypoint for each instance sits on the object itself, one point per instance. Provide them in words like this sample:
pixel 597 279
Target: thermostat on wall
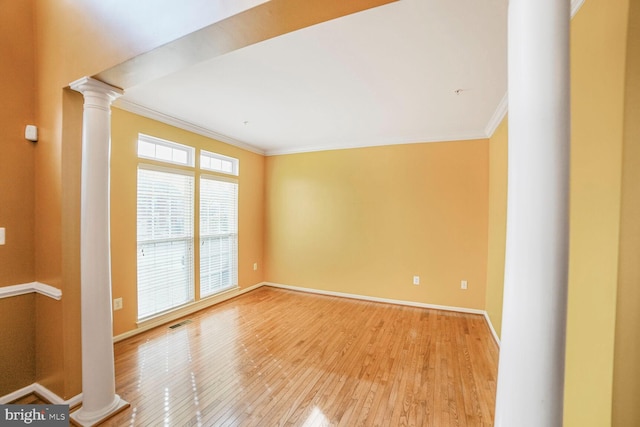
pixel 31 133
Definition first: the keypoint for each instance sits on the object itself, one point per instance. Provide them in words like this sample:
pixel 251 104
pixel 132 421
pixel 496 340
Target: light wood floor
pixel 274 357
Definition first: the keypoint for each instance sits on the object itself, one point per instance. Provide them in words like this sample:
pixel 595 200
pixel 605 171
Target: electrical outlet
pixel 463 284
pixel 2 236
pixel 416 280
pixel 117 304
pixel 255 266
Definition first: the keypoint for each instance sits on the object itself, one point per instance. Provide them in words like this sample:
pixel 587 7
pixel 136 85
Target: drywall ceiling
pixel 410 71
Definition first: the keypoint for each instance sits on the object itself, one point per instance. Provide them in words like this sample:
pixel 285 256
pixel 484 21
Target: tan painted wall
pixel 364 221
pixel 598 39
pixel 626 369
pixel 125 129
pixel 497 224
pixel 17 341
pixel 17 109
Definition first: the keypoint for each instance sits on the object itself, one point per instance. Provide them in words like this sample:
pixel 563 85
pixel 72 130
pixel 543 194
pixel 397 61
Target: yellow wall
pixel 497 224
pixel 124 163
pixel 364 221
pixel 17 109
pixel 626 370
pixel 16 161
pixel 598 40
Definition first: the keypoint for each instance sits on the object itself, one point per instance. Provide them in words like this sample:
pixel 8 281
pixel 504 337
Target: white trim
pixel 575 6
pixel 503 106
pixel 43 392
pixel 15 395
pixel 376 299
pixel 54 398
pixel 25 288
pixel 498 116
pixel 149 113
pixel 375 143
pixel 185 310
pixel 491 328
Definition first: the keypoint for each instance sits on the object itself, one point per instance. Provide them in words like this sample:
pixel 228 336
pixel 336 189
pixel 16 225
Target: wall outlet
pixel 117 304
pixel 255 266
pixel 416 280
pixel 2 236
pixel 463 284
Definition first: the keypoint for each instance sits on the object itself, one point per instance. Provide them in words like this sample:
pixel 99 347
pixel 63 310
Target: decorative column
pixel 532 352
pixel 99 400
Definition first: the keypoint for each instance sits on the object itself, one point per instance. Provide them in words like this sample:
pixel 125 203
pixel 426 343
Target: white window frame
pixel 188 150
pixel 235 163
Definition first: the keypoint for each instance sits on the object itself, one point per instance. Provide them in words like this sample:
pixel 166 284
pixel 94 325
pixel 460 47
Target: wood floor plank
pixel 274 357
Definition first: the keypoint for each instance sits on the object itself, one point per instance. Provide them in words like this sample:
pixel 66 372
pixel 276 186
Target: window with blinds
pixel 166 218
pixel 165 240
pixel 218 234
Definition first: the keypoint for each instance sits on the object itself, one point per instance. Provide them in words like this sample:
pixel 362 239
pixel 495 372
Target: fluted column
pixel 531 367
pixel 99 400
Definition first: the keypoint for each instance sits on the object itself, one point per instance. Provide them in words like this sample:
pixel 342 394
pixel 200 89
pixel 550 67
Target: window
pixel 218 163
pixel 218 235
pixel 165 240
pixel 165 151
pixel 166 218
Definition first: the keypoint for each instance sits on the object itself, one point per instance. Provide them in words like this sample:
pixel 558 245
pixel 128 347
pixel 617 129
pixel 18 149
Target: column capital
pixel 89 84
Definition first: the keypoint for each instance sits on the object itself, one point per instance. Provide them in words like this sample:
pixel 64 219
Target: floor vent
pixel 177 325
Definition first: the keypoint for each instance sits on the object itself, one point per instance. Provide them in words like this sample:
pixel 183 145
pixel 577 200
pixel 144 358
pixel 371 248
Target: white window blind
pixel 218 235
pixel 165 240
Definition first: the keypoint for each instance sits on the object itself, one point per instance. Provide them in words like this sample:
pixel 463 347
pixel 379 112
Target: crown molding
pixel 498 115
pixel 575 6
pixel 503 106
pixel 149 113
pixel 346 145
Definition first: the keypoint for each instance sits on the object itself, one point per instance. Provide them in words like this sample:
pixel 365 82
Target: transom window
pixel 218 163
pixel 153 148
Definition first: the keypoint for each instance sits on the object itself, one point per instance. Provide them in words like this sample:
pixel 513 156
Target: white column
pixel 99 399
pixel 531 368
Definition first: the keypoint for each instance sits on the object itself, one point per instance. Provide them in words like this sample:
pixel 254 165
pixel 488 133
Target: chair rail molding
pixel 26 288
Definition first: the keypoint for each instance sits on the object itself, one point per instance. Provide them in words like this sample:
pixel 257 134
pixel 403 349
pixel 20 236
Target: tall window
pixel 218 235
pixel 165 240
pixel 166 218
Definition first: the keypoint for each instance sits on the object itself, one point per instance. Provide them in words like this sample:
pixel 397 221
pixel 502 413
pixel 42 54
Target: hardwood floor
pixel 274 357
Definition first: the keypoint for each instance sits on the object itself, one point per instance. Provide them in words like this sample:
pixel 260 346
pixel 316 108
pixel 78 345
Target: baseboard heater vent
pixel 184 322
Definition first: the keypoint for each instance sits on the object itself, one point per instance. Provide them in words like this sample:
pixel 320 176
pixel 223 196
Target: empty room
pixel 280 212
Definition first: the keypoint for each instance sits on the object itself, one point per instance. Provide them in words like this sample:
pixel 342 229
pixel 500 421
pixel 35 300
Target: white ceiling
pixel 388 75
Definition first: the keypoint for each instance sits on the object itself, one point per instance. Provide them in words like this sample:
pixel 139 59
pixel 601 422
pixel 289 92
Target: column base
pixel 83 418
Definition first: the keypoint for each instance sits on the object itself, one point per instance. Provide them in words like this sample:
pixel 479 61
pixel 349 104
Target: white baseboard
pixel 376 299
pixel 491 328
pixel 17 394
pixel 42 391
pixel 185 311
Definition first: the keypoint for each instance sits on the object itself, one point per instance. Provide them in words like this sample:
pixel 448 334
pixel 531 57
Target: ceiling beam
pixel 265 21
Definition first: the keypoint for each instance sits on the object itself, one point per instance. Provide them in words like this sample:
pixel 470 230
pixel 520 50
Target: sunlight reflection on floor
pixel 316 419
